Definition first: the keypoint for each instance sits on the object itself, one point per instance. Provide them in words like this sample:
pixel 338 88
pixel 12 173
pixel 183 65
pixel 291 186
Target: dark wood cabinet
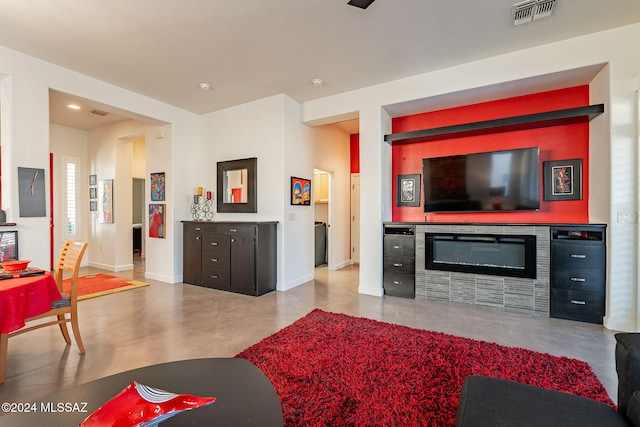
pixel 399 260
pixel 231 256
pixel 578 272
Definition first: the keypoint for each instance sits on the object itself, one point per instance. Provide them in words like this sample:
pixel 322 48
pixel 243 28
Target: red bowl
pixel 16 265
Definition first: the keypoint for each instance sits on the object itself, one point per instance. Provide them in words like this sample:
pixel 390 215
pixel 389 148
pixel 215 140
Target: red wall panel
pixel 354 149
pixel 555 143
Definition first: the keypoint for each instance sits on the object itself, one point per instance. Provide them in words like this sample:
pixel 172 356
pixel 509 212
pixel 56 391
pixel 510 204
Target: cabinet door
pixel 191 255
pixel 243 265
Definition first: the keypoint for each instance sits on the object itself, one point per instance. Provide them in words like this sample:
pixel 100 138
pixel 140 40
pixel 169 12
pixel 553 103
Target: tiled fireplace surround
pixel 528 296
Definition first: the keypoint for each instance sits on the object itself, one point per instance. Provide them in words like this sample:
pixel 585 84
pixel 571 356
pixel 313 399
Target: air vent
pixel 531 10
pixel 99 112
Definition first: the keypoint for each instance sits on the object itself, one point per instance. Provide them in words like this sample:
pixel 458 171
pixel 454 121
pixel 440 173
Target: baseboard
pixel 102 266
pixel 294 283
pixel 162 278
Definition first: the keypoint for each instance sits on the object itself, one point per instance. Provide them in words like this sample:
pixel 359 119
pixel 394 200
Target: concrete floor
pixel 165 322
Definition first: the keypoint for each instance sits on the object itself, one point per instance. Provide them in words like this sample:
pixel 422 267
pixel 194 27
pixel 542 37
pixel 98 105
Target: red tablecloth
pixel 24 297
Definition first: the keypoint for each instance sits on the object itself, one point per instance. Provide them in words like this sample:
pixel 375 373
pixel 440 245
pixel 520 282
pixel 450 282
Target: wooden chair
pixel 69 261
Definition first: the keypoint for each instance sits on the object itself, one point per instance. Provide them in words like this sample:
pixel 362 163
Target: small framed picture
pixel 408 190
pixel 300 191
pixel 157 186
pixel 93 205
pixel 563 180
pixel 93 193
pixel 92 180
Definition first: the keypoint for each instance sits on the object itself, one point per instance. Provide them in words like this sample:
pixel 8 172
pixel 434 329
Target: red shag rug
pixel 337 370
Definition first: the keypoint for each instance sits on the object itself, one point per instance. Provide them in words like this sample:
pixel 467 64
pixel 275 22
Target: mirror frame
pixel 250 165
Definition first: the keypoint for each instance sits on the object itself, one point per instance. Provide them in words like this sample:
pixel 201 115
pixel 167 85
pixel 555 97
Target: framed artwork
pixel 93 193
pixel 408 190
pixel 93 205
pixel 92 180
pixel 300 191
pixel 31 192
pixel 8 246
pixel 157 220
pixel 157 186
pixel 563 180
pixel 105 201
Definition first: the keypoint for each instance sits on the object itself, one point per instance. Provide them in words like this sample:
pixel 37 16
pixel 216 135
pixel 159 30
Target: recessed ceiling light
pixel 73 106
pixel 205 86
pixel 317 82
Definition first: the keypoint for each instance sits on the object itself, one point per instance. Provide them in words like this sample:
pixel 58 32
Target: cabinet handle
pixel 197 237
pixel 233 230
pixel 197 228
pixel 214 243
pixel 214 276
pixel 214 259
pixel 397 264
pixel 578 279
pixel 396 282
pixel 581 256
pixel 397 247
pixel 233 240
pixel 573 301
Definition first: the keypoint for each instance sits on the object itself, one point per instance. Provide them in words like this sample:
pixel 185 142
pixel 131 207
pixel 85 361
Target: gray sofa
pixel 486 401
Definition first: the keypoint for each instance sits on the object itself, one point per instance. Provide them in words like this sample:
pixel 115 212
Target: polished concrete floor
pixel 165 322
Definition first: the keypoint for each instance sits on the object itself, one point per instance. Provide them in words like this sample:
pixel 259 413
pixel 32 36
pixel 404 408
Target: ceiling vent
pixel 99 112
pixel 531 10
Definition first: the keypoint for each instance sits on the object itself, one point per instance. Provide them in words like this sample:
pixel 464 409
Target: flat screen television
pixel 507 180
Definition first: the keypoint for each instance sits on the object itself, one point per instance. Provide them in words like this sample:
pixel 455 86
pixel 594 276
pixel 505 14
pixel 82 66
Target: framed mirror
pixel 237 186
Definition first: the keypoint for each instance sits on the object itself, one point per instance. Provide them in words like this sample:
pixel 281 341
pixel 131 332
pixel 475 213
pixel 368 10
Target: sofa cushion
pixel 486 401
pixel 627 367
pixel 633 410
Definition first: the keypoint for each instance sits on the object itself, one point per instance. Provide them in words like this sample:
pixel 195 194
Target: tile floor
pixel 165 322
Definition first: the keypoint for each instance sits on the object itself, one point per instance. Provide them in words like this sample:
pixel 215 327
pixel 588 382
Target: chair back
pixel 69 261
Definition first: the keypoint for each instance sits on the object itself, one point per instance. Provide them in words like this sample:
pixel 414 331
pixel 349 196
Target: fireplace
pixel 493 254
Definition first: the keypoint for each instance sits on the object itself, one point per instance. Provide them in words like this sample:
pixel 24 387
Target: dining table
pixel 23 295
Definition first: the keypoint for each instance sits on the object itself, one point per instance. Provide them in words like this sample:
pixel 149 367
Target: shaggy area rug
pixel 337 370
pixel 96 285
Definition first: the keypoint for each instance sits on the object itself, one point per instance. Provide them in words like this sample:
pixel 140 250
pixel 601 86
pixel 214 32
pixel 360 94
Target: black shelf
pixel 508 124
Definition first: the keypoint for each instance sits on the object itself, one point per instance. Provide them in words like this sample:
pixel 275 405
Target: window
pixel 71 168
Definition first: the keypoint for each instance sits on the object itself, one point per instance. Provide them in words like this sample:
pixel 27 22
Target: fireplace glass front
pixel 502 255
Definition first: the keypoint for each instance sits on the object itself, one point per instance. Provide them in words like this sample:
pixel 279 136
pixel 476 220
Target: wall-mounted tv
pixel 507 180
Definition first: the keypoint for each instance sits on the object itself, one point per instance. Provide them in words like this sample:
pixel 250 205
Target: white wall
pixel 613 133
pixel 25 136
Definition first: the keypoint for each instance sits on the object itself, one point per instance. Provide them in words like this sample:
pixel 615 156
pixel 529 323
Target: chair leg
pixel 63 328
pixel 4 341
pixel 76 333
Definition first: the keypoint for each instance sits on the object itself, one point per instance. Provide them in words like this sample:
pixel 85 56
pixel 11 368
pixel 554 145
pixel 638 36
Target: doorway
pixel 322 216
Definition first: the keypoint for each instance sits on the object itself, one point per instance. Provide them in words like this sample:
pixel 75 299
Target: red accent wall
pixel 556 143
pixel 354 148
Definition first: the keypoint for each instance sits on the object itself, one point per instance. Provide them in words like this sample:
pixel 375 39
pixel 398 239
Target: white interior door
pixel 355 218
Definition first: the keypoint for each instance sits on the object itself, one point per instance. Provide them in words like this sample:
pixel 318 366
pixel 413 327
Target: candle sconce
pixel 202 208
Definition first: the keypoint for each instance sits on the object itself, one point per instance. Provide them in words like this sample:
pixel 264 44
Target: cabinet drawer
pixel 578 279
pixel 585 256
pixel 399 284
pixel 577 305
pixel 215 278
pixel 399 265
pixel 215 242
pixel 245 230
pixel 399 246
pixel 216 260
pixel 199 228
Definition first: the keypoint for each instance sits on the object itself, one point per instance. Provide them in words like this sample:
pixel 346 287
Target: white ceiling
pixel 250 49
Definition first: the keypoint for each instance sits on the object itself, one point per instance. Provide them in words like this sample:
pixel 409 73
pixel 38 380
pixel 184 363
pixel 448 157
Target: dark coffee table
pixel 245 397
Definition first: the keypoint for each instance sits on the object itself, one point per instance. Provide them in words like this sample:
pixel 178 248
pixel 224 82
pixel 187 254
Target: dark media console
pixel 542 270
